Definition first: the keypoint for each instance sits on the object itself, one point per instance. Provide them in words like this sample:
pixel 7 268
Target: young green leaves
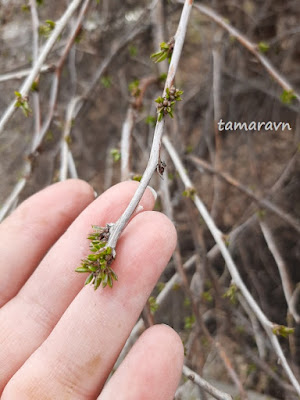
pixel 165 105
pixel 166 50
pixel 46 29
pixel 287 96
pixel 98 263
pixel 263 47
pixel 22 102
pixel 281 330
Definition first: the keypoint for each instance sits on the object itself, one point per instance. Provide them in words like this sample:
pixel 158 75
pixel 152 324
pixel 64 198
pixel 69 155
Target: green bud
pixel 287 96
pixel 89 279
pixel 281 330
pixel 82 269
pixel 97 281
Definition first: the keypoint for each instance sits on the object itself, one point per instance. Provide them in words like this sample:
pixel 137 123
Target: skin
pixel 60 340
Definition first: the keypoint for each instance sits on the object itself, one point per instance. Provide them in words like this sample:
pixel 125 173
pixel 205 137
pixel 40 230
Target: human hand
pixel 60 340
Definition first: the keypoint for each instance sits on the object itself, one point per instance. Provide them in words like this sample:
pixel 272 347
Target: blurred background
pixel 248 180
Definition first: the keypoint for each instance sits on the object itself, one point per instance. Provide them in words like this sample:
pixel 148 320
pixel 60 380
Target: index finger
pixel 28 233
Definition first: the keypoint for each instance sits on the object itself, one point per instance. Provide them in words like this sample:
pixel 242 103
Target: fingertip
pixel 155 362
pixel 161 228
pixel 76 189
pixel 169 341
pixel 81 186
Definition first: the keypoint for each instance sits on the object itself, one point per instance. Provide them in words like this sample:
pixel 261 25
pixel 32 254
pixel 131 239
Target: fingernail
pixel 95 194
pixel 153 192
pixel 139 209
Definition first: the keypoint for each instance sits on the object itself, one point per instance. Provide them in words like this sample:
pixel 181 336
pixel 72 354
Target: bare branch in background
pixel 252 47
pixel 39 136
pixel 216 209
pixel 282 268
pixel 65 149
pixel 126 136
pixel 267 204
pixel 216 393
pixel 25 88
pixel 218 236
pixel 161 298
pixel 23 73
pixel 221 300
pixel 35 53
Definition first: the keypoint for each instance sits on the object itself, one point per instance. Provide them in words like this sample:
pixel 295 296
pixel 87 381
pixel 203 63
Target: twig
pixel 255 327
pixel 158 30
pixel 217 199
pixel 261 201
pixel 269 371
pixel 24 90
pixel 250 46
pixel 118 227
pixel 35 53
pixel 13 196
pixel 282 268
pixel 128 126
pixel 38 138
pixel 195 307
pixel 203 384
pixel 108 178
pixel 71 166
pixel 115 50
pixel 218 236
pixel 22 73
pixel 214 251
pixel 161 298
pixel 232 373
pixel 64 149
